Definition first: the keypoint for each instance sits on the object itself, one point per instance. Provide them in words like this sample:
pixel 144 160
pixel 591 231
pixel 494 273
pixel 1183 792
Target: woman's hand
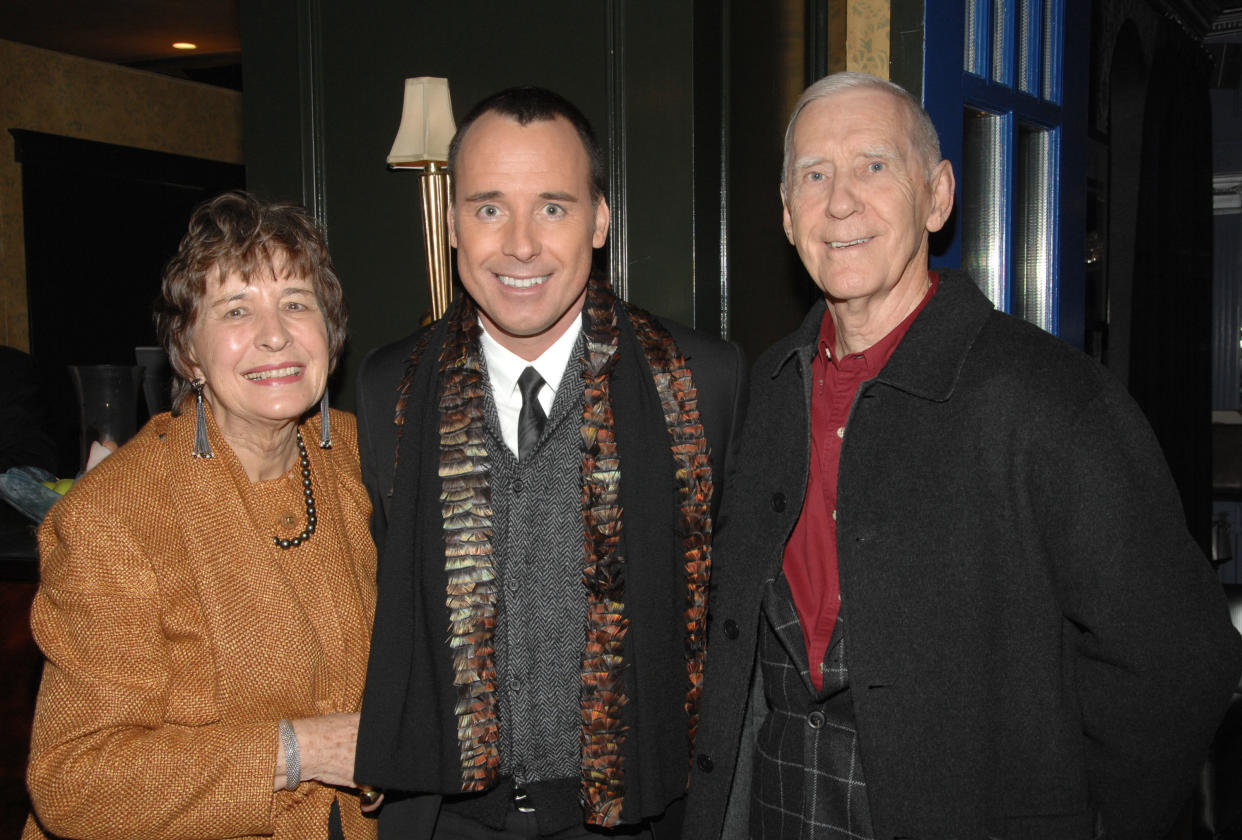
pixel 326 751
pixel 327 745
pixel 325 748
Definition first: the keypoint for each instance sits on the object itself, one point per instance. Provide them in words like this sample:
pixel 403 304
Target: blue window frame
pixel 1005 82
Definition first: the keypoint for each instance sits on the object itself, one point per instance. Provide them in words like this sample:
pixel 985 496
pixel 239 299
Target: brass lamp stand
pixel 422 143
pixel 434 186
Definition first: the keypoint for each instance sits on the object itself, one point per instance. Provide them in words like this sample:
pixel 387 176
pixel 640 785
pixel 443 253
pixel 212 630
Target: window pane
pixel 973 54
pixel 1033 231
pixel 984 214
pixel 1052 40
pixel 1030 53
pixel 1001 51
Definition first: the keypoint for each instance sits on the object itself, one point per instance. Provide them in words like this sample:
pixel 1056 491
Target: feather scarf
pixel 471 590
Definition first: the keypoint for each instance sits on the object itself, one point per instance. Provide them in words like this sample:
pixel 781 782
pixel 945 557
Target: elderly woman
pixel 207 591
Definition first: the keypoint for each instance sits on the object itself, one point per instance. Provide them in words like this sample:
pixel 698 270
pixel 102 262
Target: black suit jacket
pixel 719 370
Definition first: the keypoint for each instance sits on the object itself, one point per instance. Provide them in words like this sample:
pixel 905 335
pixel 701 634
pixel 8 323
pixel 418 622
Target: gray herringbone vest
pixel 538 542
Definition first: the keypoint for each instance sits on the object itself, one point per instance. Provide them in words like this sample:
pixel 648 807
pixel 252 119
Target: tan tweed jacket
pixel 176 636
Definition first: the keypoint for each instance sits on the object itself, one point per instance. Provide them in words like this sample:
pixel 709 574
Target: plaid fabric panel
pixel 808 779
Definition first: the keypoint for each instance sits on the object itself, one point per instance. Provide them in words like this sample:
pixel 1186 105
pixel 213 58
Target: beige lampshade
pixel 426 124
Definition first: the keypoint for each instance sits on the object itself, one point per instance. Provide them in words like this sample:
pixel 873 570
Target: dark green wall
pixel 769 291
pixel 681 92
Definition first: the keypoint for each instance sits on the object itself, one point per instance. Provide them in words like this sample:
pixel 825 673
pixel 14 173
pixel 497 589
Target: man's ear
pixel 786 219
pixel 451 222
pixel 942 186
pixel 602 219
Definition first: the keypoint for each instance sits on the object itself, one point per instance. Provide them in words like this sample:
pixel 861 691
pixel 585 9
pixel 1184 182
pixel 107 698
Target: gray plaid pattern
pixel 808 780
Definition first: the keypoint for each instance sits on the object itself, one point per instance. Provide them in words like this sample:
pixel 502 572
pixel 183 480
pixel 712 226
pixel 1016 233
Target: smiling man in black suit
pixel 544 464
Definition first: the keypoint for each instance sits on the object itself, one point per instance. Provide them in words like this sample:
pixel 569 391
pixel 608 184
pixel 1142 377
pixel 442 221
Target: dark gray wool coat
pixel 1037 646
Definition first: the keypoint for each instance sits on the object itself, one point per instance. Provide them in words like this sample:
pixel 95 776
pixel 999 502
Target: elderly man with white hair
pixel 954 593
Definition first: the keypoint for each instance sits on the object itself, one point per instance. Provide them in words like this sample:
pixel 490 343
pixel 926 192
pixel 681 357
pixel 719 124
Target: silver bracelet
pixel 293 756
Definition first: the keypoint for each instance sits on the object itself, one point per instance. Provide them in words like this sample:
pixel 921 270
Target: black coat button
pixel 815 719
pixel 705 762
pixel 730 628
pixel 778 502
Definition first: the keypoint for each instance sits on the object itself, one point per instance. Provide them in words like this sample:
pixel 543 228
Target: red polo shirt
pixel 810 562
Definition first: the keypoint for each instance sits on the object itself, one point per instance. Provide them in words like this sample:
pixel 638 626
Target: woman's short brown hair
pixel 236 233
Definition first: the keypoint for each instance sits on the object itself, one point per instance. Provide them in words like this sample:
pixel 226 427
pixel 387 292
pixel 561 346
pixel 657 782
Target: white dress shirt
pixel 504 367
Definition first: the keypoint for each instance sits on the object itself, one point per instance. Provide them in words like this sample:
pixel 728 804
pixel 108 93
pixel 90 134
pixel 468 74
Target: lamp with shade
pixel 422 144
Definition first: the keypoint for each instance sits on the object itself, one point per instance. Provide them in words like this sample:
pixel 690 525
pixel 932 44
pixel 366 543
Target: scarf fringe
pixel 603 734
pixel 472 593
pixel 688 444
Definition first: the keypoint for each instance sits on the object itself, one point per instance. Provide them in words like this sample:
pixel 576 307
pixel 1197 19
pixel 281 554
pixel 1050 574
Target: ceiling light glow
pixel 184 45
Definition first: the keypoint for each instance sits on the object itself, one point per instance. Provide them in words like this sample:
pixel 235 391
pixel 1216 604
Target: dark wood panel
pixel 769 290
pixel 659 148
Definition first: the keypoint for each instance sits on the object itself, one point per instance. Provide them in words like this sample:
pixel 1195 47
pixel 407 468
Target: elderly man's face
pixel 524 227
pixel 858 202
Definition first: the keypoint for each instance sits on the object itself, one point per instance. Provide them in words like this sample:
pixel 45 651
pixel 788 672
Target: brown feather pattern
pixel 680 401
pixel 471 588
pixel 603 574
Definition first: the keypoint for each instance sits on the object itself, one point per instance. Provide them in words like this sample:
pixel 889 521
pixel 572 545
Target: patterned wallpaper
pixel 55 93
pixel 866 38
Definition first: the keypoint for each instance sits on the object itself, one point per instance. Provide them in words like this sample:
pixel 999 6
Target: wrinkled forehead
pixel 857 118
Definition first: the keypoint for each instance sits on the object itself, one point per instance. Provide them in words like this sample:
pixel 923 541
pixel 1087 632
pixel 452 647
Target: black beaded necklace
pixel 309 493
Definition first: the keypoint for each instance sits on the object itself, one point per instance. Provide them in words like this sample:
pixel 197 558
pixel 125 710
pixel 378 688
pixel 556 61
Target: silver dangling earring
pixel 202 446
pixel 325 423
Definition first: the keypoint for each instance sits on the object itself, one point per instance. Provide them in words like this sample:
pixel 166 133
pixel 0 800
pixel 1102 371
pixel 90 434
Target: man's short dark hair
pixel 527 104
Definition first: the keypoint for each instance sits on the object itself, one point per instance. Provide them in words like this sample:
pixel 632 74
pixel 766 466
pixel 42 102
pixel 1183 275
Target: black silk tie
pixel 531 418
